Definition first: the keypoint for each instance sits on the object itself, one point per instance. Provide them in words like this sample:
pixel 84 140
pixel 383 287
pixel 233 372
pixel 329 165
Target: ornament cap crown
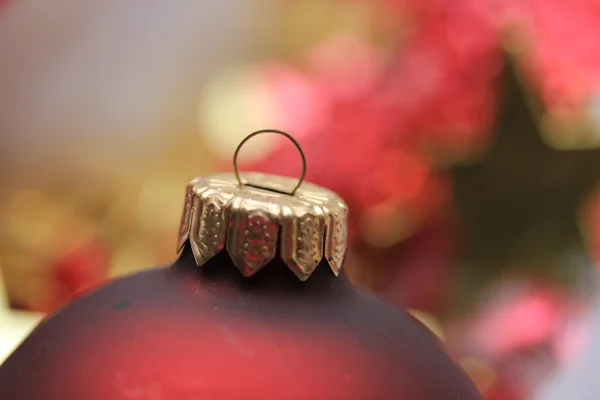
pixel 254 216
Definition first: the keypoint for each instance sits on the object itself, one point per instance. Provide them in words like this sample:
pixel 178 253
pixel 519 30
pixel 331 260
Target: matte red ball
pixel 189 333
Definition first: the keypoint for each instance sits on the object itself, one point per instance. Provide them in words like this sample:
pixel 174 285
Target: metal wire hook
pixel 287 135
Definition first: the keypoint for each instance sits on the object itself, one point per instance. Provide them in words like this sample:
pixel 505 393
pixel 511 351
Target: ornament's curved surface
pixel 187 333
pixel 253 220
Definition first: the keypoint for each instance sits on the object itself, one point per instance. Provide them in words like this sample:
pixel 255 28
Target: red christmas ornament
pixel 242 326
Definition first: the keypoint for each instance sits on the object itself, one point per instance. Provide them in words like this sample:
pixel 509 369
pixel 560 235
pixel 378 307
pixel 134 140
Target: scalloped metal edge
pixel 249 230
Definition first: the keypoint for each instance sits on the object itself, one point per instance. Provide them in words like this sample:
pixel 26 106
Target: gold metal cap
pixel 255 215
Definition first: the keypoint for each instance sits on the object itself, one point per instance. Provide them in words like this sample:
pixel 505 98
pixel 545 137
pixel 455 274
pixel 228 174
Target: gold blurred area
pixel 108 116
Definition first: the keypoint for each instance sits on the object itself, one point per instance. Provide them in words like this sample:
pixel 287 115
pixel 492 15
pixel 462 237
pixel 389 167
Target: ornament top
pixel 258 214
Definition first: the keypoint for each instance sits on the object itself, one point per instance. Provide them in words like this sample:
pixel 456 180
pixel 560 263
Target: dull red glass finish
pixel 184 333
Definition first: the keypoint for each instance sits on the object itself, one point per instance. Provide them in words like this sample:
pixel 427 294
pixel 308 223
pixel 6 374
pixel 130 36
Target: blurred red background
pixel 462 134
